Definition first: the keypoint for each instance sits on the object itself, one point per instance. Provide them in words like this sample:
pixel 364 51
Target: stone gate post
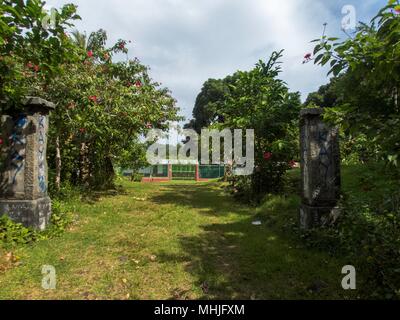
pixel 23 175
pixel 320 170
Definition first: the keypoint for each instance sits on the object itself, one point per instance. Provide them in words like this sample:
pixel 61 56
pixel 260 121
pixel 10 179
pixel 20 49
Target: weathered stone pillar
pixel 320 170
pixel 24 181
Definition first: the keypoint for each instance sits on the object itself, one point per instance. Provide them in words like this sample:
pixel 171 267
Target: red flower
pixel 122 45
pixel 93 98
pixel 307 56
pixel 267 156
pixel 1 142
pixel 29 65
pixel 293 164
pixel 138 84
pixel 36 68
pixel 90 54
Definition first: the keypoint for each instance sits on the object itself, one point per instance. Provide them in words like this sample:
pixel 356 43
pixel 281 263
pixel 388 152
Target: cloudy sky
pixel 186 42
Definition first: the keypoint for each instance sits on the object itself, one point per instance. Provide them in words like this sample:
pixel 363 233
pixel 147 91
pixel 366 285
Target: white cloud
pixel 185 42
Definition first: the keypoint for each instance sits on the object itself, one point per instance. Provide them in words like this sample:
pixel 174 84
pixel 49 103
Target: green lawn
pixel 178 240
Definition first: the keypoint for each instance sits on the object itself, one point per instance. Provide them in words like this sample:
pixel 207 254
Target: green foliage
pixel 61 219
pixel 370 242
pixel 357 149
pixel 258 100
pixel 325 97
pixel 369 82
pixel 137 177
pixel 27 49
pixel 208 103
pixel 12 234
pixel 103 106
pixel 367 233
pixel 355 146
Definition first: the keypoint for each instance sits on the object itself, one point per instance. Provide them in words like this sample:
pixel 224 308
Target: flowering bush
pixel 267 156
pixel 99 114
pixel 25 45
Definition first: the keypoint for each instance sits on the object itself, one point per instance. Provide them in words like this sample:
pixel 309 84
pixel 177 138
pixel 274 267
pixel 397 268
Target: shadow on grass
pixel 207 198
pixel 88 196
pixel 235 259
pixel 92 196
pixel 241 261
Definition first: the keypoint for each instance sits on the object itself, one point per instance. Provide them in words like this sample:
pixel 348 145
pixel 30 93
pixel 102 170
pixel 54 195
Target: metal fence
pixel 183 171
pixel 158 171
pixel 211 171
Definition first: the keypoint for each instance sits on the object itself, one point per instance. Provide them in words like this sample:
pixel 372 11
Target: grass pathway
pixel 173 241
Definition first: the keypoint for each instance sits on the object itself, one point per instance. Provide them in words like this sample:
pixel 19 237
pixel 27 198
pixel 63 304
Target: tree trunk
pixel 58 164
pixel 84 165
pixel 110 172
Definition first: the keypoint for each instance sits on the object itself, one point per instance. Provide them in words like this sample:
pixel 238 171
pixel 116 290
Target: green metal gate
pixel 183 172
pixel 211 171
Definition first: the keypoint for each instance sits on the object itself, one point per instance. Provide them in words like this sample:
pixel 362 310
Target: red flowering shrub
pixel 267 156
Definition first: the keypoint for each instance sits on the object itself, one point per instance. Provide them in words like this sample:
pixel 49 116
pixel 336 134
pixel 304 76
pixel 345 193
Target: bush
pixel 252 189
pixel 12 233
pixel 61 218
pixel 367 233
pixel 370 240
pixel 259 100
pixel 137 177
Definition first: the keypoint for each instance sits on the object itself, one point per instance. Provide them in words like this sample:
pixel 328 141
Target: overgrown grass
pixel 185 240
pixel 178 240
pixel 367 234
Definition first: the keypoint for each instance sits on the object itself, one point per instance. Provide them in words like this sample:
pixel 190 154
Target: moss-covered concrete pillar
pixel 24 178
pixel 320 170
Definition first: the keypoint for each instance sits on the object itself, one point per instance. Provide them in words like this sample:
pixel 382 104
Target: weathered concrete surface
pixel 24 177
pixel 311 217
pixel 31 213
pixel 320 170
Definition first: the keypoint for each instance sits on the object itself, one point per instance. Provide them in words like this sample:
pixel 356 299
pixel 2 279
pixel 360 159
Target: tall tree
pixel 208 103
